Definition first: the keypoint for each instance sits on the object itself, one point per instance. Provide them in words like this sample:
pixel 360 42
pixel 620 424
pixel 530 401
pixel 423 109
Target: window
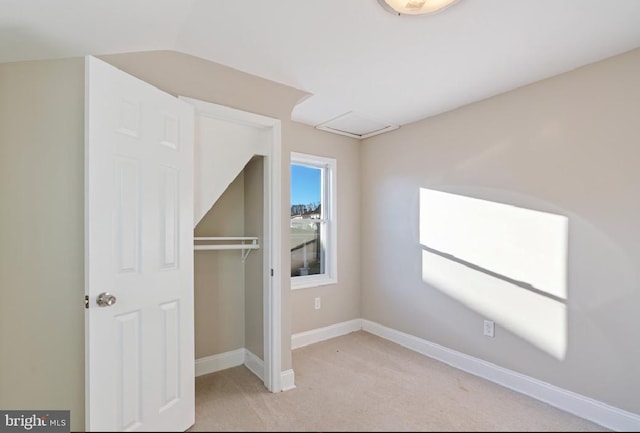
pixel 313 221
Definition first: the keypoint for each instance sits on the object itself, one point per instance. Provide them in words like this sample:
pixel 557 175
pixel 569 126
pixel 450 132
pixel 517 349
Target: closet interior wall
pixel 228 292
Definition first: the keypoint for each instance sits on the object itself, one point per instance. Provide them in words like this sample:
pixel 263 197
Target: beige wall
pixel 42 161
pixel 228 293
pixel 254 226
pixel 42 233
pixel 219 278
pixel 339 302
pixel 42 214
pixel 568 146
pixel 185 75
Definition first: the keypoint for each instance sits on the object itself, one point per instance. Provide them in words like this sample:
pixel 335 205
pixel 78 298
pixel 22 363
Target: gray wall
pixel 566 146
pixel 42 233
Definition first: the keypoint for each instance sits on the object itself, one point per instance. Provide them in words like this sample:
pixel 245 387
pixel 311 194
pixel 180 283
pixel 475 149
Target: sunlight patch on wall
pixel 507 263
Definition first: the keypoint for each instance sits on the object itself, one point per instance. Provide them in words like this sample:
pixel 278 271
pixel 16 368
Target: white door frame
pixel 271 244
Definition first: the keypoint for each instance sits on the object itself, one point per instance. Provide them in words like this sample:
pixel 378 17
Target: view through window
pixel 313 235
pixel 306 221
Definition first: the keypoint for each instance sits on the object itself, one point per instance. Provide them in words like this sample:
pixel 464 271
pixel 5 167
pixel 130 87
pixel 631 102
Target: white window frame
pixel 329 237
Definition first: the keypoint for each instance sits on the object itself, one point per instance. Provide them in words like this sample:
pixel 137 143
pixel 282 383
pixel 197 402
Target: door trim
pixel 272 285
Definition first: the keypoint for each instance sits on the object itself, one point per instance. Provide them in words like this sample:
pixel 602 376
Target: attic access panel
pixel 356 125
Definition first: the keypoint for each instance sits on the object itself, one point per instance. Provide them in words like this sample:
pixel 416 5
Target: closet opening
pixel 229 265
pixel 237 197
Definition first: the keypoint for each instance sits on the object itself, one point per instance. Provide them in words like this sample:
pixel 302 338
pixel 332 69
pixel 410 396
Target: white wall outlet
pixel 317 303
pixel 489 328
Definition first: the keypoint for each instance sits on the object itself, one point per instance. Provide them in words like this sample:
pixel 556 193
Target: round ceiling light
pixel 415 7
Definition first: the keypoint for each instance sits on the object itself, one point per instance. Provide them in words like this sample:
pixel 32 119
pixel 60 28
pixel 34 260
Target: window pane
pixel 306 191
pixel 307 257
pixel 306 249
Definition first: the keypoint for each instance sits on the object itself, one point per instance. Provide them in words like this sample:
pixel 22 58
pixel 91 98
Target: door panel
pixel 139 248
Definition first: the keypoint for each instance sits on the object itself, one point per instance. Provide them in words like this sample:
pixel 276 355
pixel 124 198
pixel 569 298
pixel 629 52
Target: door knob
pixel 105 299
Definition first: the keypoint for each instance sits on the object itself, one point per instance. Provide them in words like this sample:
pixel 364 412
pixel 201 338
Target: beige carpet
pixel 360 382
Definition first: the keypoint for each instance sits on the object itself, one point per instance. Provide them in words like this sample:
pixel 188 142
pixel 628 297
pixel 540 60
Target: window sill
pixel 311 281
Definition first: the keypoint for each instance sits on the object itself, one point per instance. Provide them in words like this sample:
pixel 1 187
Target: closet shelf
pixel 228 243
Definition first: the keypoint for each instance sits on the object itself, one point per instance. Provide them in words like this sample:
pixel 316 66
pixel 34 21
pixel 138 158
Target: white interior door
pixel 139 249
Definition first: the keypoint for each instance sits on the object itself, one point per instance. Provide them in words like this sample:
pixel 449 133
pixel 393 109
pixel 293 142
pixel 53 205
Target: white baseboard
pixel 584 407
pixel 254 364
pixel 315 335
pixel 234 358
pixel 221 361
pixel 288 380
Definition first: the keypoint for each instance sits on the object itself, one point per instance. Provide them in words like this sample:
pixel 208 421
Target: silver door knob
pixel 105 299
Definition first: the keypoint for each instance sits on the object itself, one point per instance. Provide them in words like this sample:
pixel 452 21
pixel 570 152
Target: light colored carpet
pixel 360 382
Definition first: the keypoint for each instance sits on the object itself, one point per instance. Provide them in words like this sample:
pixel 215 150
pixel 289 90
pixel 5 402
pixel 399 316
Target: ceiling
pixel 351 55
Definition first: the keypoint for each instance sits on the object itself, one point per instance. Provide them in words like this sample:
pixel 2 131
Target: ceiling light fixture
pixel 415 7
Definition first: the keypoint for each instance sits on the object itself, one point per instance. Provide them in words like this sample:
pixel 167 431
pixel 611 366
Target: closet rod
pixel 227 238
pixel 227 247
pixel 246 248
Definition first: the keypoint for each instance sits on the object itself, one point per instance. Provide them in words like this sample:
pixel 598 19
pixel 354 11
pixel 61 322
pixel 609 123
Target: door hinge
pixel 272 272
pixel 86 301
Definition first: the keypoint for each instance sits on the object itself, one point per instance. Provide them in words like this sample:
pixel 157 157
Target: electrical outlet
pixel 317 303
pixel 489 328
